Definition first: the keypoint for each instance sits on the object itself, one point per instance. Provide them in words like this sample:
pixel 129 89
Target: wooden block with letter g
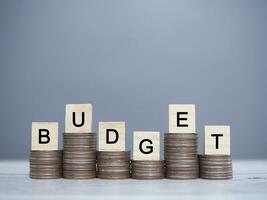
pixel 78 118
pixel 111 136
pixel 146 145
pixel 44 136
pixel 182 118
pixel 217 140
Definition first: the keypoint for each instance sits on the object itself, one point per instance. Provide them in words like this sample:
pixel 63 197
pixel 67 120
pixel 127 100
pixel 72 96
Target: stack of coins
pixel 113 164
pixel 147 169
pixel 180 151
pixel 216 167
pixel 79 157
pixel 46 164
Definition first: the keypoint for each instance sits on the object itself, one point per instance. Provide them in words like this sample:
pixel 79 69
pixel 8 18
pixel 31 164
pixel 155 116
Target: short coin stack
pixel 147 169
pixel 181 156
pixel 46 164
pixel 79 155
pixel 216 167
pixel 113 164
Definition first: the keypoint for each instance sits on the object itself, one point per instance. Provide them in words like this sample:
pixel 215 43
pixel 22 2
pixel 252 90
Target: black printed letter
pixel 107 136
pixel 43 133
pixel 217 139
pixel 180 119
pixel 149 148
pixel 74 121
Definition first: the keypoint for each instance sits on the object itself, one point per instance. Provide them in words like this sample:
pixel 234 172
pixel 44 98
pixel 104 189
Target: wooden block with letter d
pixel 182 118
pixel 44 136
pixel 217 140
pixel 111 136
pixel 146 145
pixel 78 118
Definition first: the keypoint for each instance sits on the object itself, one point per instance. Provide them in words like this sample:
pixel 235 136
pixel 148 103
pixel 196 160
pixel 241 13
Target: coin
pixel 79 174
pixel 79 155
pixel 147 169
pixel 216 167
pixel 180 152
pixel 113 164
pixel 45 164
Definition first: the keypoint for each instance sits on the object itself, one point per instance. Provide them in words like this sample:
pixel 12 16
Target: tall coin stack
pixel 46 164
pixel 113 164
pixel 147 169
pixel 79 157
pixel 180 151
pixel 216 167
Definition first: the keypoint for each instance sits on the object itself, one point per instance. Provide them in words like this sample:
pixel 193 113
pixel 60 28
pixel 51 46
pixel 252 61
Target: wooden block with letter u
pixel 79 154
pixel 78 118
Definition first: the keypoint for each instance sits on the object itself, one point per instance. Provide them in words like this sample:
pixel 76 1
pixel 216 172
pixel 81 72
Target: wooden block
pixel 111 136
pixel 182 118
pixel 78 118
pixel 146 145
pixel 217 140
pixel 44 136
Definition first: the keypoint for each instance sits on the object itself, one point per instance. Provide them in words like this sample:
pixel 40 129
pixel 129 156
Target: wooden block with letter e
pixel 111 136
pixel 146 145
pixel 44 136
pixel 217 140
pixel 78 118
pixel 182 118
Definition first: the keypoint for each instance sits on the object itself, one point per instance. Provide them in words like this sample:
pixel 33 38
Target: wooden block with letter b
pixel 44 136
pixel 217 140
pixel 182 118
pixel 78 118
pixel 111 136
pixel 146 145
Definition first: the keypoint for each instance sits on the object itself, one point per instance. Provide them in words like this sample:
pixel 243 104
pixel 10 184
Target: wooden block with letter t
pixel 78 118
pixel 111 136
pixel 182 118
pixel 44 136
pixel 146 145
pixel 217 140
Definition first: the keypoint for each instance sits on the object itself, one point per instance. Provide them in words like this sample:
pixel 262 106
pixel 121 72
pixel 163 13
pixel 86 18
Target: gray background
pixel 130 59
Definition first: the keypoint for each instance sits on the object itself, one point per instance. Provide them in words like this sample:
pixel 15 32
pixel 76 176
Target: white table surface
pixel 249 182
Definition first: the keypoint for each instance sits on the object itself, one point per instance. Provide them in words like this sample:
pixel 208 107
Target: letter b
pixel 44 136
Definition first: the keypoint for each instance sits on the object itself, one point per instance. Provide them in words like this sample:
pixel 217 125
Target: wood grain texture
pixel 189 119
pixel 102 131
pixel 138 136
pixel 52 127
pixel 78 109
pixel 223 147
